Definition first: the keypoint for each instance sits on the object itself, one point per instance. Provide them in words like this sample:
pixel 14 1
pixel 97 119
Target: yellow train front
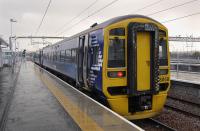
pixel 124 60
pixel 136 76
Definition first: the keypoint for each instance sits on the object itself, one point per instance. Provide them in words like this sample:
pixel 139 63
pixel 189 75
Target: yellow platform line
pixel 85 122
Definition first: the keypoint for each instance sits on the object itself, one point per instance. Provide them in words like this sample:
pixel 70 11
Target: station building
pixel 3 44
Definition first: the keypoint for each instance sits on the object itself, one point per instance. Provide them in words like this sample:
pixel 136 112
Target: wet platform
pixel 189 77
pixel 43 102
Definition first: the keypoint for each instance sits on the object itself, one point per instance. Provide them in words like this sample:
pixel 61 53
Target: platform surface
pixel 34 108
pixel 186 76
pixel 7 78
pixel 43 102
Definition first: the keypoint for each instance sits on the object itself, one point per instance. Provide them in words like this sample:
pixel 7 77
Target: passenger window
pixel 55 56
pixel 62 55
pixel 68 54
pixel 73 55
pixel 58 56
pixel 116 53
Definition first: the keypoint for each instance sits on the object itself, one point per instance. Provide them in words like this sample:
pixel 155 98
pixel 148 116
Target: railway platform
pixel 189 77
pixel 40 101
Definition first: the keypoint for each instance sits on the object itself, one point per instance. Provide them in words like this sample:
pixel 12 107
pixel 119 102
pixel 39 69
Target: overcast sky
pixel 28 14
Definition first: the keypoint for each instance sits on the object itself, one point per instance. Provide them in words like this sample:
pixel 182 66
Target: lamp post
pixel 13 61
pixel 11 28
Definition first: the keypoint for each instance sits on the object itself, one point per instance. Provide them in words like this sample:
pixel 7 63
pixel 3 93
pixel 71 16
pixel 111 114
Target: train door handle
pixel 148 62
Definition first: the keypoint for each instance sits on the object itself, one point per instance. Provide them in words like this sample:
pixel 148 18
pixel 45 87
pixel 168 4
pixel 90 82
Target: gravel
pixel 184 106
pixel 185 93
pixel 179 121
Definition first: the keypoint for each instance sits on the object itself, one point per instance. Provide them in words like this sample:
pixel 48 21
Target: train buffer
pixel 43 102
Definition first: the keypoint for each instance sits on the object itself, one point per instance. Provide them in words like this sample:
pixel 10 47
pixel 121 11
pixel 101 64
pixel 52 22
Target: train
pixel 124 60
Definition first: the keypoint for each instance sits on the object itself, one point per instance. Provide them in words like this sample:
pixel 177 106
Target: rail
pixel 151 124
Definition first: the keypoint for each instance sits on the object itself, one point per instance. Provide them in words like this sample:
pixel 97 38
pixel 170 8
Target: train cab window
pixel 162 33
pixel 116 53
pixel 163 52
pixel 117 32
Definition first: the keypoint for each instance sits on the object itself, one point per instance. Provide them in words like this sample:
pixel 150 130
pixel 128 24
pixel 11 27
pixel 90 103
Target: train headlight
pixel 116 74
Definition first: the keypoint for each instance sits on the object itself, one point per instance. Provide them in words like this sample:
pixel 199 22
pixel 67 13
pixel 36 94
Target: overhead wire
pixel 95 12
pixel 179 5
pixel 43 17
pixel 79 14
pixel 149 5
pixel 182 17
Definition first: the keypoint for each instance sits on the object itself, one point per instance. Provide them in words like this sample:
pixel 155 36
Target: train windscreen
pixel 116 53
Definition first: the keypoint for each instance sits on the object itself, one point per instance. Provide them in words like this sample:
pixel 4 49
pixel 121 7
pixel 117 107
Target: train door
pixel 80 60
pixel 41 57
pixel 143 60
pixel 85 61
pixel 142 65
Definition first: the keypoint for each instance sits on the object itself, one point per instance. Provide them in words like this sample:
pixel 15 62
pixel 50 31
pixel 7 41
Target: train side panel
pixel 62 57
pixel 95 56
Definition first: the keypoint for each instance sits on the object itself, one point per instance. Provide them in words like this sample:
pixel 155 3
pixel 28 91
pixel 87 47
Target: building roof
pixel 3 42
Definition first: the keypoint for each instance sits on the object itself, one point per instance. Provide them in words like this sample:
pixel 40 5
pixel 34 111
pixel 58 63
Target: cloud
pixel 29 14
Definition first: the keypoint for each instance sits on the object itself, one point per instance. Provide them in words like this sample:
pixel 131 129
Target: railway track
pixel 186 103
pixel 151 124
pixel 182 111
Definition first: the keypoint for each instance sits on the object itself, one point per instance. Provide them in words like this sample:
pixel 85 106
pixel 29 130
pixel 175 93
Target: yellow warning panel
pixel 143 61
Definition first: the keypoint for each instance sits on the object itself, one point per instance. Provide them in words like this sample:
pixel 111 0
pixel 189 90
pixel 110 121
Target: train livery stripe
pixel 78 116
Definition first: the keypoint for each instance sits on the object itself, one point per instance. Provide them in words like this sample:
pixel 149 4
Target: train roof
pixel 120 18
pixel 105 24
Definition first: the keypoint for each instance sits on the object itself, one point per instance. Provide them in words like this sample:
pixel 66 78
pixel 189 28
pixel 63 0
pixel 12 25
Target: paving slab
pixel 34 108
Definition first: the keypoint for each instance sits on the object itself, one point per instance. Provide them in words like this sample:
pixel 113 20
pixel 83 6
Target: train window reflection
pixel 116 53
